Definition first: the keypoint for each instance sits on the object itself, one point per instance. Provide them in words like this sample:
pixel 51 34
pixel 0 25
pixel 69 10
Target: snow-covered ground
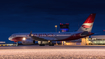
pixel 54 52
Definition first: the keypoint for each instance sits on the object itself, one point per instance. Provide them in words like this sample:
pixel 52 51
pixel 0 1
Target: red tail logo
pixel 86 26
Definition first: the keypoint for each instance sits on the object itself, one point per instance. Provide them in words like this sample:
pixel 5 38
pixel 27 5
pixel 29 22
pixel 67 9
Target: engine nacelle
pixel 28 42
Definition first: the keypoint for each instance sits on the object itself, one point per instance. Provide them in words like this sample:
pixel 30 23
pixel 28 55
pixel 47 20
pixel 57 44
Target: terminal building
pixel 93 40
pixel 64 27
pixel 97 40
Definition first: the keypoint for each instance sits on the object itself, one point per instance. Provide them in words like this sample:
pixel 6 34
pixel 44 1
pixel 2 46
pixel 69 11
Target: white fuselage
pixel 45 35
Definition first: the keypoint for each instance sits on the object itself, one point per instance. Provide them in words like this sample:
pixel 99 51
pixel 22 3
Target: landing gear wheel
pixel 51 44
pixel 41 44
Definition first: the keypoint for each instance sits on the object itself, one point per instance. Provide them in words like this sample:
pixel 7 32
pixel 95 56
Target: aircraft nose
pixel 10 38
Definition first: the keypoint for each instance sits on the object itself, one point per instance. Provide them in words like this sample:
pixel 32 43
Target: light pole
pixel 56 28
pixel 56 31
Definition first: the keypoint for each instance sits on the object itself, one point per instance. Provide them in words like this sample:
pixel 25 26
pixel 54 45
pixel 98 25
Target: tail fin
pixel 88 24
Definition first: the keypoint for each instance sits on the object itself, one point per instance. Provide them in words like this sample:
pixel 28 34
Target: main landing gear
pixel 51 44
pixel 41 44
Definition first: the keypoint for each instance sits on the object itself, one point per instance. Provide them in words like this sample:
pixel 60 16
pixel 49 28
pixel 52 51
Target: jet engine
pixel 28 42
pixel 43 42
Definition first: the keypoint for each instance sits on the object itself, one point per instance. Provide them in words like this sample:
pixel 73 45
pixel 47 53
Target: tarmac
pixel 52 52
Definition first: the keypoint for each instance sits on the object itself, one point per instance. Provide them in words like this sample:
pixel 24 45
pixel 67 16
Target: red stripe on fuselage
pixel 73 37
pixel 76 36
pixel 17 39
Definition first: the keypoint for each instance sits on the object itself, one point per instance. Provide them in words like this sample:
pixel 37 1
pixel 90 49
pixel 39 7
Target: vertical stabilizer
pixel 88 24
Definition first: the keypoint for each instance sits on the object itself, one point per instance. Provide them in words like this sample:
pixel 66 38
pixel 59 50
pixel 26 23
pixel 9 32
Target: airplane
pixel 48 37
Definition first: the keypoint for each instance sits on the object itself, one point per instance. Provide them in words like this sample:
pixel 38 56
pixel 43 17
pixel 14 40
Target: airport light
pixel 56 31
pixel 48 40
pixel 56 27
pixel 32 35
pixel 2 41
pixel 24 38
pixel 9 39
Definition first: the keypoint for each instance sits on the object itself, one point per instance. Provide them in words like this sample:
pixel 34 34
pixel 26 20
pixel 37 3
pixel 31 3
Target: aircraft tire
pixel 41 44
pixel 51 44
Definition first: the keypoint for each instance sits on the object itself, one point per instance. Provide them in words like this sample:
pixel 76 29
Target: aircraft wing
pixel 38 39
pixel 43 38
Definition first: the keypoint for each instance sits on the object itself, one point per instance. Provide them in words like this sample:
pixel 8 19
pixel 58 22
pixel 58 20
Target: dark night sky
pixel 41 15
